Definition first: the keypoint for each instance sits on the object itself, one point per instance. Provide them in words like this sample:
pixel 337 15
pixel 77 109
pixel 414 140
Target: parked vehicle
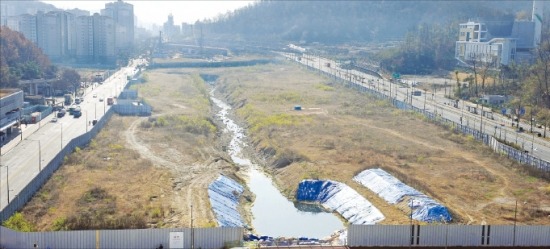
pixel 110 101
pixel 77 112
pixel 61 113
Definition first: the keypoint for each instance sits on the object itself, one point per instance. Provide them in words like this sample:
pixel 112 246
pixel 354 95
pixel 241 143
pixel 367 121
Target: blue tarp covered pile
pixel 224 195
pixel 341 198
pixel 394 191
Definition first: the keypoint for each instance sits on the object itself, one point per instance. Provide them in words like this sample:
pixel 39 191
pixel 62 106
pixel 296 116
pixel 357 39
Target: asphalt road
pixel 24 156
pixel 435 102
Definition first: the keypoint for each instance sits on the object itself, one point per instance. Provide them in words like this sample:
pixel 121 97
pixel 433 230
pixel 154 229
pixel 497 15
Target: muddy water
pixel 273 214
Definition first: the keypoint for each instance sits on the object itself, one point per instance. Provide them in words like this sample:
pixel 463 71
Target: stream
pixel 273 214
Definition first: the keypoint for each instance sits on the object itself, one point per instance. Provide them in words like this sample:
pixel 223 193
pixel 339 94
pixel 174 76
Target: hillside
pixel 21 59
pixel 332 22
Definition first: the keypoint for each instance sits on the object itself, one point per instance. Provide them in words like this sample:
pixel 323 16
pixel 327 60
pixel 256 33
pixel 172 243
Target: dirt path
pixel 502 197
pixel 190 184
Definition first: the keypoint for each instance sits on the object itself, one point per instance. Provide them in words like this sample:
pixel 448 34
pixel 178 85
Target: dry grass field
pixel 147 171
pixel 341 132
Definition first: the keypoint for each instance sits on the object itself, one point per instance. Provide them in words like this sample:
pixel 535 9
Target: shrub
pixel 18 222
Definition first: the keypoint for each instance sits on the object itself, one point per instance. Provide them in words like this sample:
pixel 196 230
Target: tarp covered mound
pixel 341 198
pixel 394 191
pixel 224 195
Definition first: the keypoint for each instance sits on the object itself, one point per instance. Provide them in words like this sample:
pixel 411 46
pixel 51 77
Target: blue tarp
pixel 340 198
pixel 224 195
pixel 394 191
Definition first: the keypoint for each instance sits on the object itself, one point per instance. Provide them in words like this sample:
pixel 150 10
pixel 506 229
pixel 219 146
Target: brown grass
pixel 346 132
pixel 102 186
pixel 150 170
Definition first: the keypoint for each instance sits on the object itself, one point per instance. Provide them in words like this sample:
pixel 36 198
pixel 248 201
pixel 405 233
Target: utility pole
pixel 515 218
pixel 192 230
pixel 425 94
pixel 8 182
pixel 39 157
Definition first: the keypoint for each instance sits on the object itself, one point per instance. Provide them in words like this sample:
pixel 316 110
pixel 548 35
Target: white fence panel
pixel 433 235
pixel 502 235
pixel 533 236
pixel 379 235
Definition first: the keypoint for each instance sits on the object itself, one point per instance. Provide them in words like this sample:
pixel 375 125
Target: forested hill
pixel 346 21
pixel 21 59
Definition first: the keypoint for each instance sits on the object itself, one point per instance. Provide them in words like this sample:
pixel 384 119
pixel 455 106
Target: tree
pixel 458 92
pixel 68 78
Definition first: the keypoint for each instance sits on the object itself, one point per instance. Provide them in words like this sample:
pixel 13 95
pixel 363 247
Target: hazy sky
pixel 151 11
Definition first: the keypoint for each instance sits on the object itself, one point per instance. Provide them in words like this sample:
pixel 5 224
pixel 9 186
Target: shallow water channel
pixel 273 214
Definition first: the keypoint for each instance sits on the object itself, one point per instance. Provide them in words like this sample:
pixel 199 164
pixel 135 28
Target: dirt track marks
pixel 193 180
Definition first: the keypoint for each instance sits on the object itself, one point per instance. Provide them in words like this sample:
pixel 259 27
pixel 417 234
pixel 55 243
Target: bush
pixel 18 223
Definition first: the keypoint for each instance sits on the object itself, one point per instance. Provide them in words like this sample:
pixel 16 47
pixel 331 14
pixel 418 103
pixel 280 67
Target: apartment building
pixel 75 34
pixel 123 15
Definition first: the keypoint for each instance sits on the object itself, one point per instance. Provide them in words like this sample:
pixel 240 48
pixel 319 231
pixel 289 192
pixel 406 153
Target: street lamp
pixel 61 124
pixel 86 124
pixel 39 156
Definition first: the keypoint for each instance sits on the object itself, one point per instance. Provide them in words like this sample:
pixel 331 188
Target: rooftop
pixel 7 91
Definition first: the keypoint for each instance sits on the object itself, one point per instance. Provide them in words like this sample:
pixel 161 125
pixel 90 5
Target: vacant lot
pixel 141 172
pixel 148 171
pixel 341 132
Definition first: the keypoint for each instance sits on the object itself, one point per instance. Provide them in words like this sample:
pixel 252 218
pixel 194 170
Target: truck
pixel 68 98
pixel 110 101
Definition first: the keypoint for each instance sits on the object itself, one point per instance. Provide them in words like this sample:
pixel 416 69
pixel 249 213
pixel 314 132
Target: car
pixel 100 99
pixel 54 119
pixel 95 95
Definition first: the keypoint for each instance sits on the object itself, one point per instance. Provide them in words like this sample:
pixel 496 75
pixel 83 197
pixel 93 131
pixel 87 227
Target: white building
pixel 476 44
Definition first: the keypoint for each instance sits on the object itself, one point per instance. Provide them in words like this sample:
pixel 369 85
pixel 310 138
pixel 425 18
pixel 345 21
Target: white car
pixel 95 95
pixel 100 99
pixel 54 119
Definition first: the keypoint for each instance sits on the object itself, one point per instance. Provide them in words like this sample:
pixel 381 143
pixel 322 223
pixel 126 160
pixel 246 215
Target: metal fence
pixel 124 239
pixel 512 153
pixel 140 109
pixel 36 183
pixel 448 235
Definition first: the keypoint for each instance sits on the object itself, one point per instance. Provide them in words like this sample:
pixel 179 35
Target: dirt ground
pixel 148 171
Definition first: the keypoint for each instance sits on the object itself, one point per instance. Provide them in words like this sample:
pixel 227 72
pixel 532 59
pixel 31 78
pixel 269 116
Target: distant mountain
pixel 351 21
pixel 14 8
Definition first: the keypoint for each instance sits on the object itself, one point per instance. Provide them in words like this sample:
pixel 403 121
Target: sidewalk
pixel 15 138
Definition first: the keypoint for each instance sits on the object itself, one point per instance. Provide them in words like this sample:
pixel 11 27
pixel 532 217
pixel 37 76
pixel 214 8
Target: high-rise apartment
pixel 123 15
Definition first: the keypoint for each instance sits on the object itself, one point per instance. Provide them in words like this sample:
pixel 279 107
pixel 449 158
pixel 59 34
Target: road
pixel 25 156
pixel 500 126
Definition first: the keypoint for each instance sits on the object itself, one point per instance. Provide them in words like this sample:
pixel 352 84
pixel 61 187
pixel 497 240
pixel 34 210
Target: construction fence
pixel 448 235
pixel 205 238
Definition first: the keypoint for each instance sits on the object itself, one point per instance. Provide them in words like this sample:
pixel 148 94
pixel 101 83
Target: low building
pixel 494 100
pixel 11 102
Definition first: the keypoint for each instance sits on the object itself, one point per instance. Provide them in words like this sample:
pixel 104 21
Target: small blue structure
pixel 297 108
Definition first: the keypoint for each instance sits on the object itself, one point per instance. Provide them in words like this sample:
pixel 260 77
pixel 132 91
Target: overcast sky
pixel 151 11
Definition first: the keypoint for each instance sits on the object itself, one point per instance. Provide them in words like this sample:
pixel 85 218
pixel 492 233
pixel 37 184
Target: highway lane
pixel 434 102
pixel 25 160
